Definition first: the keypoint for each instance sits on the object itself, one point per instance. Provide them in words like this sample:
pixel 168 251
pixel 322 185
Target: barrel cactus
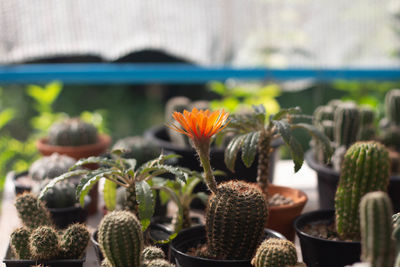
pixel 32 212
pixel 44 243
pixel 19 242
pixel 121 239
pixel 73 241
pixel 275 252
pixel 150 253
pixel 72 132
pixel 50 166
pixel 376 229
pixel 137 147
pixel 234 230
pixel 365 168
pixel 392 106
pixel 62 195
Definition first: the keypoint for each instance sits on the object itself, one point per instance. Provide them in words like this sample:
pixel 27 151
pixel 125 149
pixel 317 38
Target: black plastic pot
pixel 19 187
pixel 194 236
pixel 62 217
pixel 328 180
pixel 9 262
pixel 318 252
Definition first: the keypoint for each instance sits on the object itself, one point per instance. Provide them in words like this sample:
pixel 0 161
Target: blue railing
pixel 176 73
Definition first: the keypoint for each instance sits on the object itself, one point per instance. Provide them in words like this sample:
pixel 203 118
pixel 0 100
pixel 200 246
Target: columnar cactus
pixel 367 127
pixel 32 212
pixel 19 242
pixel 44 243
pixel 50 166
pixel 235 220
pixel 73 241
pixel 275 252
pixel 347 122
pixel 72 132
pixel 392 106
pixel 121 239
pixel 376 229
pixel 365 168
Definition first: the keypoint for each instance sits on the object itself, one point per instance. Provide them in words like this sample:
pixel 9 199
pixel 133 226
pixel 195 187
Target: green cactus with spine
pixel 377 246
pixel 365 168
pixel 121 239
pixel 50 166
pixel 234 230
pixel 32 212
pixel 19 242
pixel 392 106
pixel 150 253
pixel 72 132
pixel 158 263
pixel 44 243
pixel 396 237
pixel 137 147
pixel 74 240
pixel 367 127
pixel 275 252
pixel 347 123
pixel 62 195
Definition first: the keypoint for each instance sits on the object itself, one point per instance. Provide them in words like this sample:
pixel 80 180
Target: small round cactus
pixel 74 241
pixel 137 147
pixel 152 253
pixel 275 252
pixel 61 195
pixel 50 167
pixel 158 263
pixel 235 219
pixel 121 239
pixel 19 242
pixel 32 212
pixel 72 132
pixel 44 243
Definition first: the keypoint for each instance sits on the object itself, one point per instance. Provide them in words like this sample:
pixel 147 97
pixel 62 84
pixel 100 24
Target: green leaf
pixel 218 87
pixel 96 160
pixel 131 163
pixel 202 196
pixel 249 148
pixel 283 112
pixel 259 112
pixel 284 130
pixel 232 150
pixel 6 116
pixel 110 194
pixel 144 197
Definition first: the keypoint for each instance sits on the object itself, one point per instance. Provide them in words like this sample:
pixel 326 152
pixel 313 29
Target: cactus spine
pixel 234 230
pixel 150 253
pixel 44 243
pixel 275 252
pixel 74 241
pixel 392 106
pixel 376 229
pixel 365 168
pixel 31 211
pixel 72 132
pixel 121 239
pixel 19 242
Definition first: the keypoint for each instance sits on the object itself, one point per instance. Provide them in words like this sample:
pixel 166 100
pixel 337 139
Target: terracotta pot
pixel 78 152
pixel 281 218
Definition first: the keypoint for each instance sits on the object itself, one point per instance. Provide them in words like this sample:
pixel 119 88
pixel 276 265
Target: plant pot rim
pixel 297 202
pixel 213 260
pixel 103 143
pixel 304 216
pixel 76 207
pixel 150 133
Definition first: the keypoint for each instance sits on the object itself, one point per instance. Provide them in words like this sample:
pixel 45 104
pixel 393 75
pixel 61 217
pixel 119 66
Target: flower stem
pixel 203 150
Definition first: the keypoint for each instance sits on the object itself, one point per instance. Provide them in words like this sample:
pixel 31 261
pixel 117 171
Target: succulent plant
pixel 137 147
pixel 365 168
pixel 347 124
pixel 73 241
pixel 367 128
pixel 62 195
pixel 32 212
pixel 275 252
pixel 150 253
pixel 44 243
pixel 392 106
pixel 121 239
pixel 376 229
pixel 19 242
pixel 72 132
pixel 158 263
pixel 50 166
pixel 390 137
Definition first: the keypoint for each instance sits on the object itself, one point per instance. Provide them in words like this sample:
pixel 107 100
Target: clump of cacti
pixel 72 132
pixel 32 212
pixel 376 229
pixel 19 242
pixel 137 147
pixel 275 252
pixel 365 168
pixel 50 166
pixel 44 243
pixel 234 230
pixel 73 241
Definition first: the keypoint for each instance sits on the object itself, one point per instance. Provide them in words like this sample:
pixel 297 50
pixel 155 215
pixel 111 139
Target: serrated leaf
pixel 61 178
pixel 145 200
pixel 231 151
pixel 110 194
pixel 284 130
pixel 283 112
pixel 96 160
pixel 131 163
pixel 177 171
pixel 260 113
pixel 297 153
pixel 249 148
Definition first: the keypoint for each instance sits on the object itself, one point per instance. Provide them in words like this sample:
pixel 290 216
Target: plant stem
pixel 203 150
pixel 264 152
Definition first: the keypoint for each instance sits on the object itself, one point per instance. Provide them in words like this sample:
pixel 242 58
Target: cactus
pixel 150 253
pixel 137 147
pixel 391 137
pixel 62 195
pixel 365 168
pixel 158 263
pixel 392 106
pixel 376 229
pixel 120 238
pixel 275 252
pixel 234 230
pixel 367 127
pixel 72 132
pixel 347 122
pixel 74 241
pixel 396 237
pixel 177 104
pixel 32 212
pixel 19 242
pixel 44 243
pixel 50 166
pixel 104 263
pixel 323 113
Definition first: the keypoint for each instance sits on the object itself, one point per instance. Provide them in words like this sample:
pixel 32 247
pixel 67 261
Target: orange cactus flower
pixel 200 125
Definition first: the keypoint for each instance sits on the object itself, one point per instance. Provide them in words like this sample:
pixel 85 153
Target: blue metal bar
pixel 106 73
